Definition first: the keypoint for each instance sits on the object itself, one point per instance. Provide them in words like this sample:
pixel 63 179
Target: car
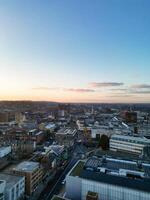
pixel 63 182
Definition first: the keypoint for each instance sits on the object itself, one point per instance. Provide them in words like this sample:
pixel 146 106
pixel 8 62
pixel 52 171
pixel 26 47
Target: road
pixel 53 188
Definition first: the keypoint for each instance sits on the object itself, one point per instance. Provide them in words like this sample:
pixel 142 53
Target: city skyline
pixel 75 51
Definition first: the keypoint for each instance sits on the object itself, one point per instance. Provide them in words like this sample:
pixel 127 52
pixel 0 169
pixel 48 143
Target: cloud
pixel 80 90
pixel 64 89
pixel 141 86
pixel 140 92
pixel 44 88
pixel 119 89
pixel 120 95
pixel 105 84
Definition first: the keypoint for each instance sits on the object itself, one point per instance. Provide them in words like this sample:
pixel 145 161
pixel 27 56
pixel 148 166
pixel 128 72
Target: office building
pixel 132 144
pixel 2 188
pixel 14 186
pixel 33 175
pixel 109 179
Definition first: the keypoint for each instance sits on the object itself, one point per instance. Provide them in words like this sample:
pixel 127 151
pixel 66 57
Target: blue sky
pixel 55 49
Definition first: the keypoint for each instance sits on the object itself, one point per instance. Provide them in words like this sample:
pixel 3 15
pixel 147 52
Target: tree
pixel 104 142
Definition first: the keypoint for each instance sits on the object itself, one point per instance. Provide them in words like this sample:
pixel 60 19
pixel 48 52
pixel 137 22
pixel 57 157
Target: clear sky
pixel 75 50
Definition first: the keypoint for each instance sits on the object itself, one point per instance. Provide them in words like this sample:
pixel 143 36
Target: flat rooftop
pixel 10 179
pixel 27 166
pixel 125 173
pixel 58 198
pixel 67 131
pixel 132 138
pixel 3 148
pixel 76 171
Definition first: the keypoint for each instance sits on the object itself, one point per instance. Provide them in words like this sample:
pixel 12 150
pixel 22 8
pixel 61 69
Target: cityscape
pixel 74 100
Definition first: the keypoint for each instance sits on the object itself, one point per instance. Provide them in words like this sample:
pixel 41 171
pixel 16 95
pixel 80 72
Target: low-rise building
pixel 33 175
pixel 133 144
pixel 66 136
pixel 14 186
pixel 2 188
pixel 56 197
pixel 4 151
pixel 109 179
pixel 97 132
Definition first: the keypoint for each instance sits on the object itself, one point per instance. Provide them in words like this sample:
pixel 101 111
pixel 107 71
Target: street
pixel 54 186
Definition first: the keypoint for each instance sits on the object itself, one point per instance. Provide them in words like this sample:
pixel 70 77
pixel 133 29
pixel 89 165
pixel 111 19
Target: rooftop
pixel 119 172
pixel 77 169
pixel 58 198
pixel 10 179
pixel 27 166
pixel 3 148
pixel 67 131
pixel 129 137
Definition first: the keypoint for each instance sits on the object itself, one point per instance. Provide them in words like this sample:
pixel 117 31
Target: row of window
pixel 130 140
pixel 111 192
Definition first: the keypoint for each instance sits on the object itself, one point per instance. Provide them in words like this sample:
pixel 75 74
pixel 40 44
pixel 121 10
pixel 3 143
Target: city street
pixel 54 186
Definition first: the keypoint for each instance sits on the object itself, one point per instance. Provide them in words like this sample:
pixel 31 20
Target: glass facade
pixel 112 192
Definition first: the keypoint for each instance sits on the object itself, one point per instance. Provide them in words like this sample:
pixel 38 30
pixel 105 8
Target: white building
pixel 110 179
pixel 4 151
pixel 101 130
pixel 50 126
pixel 15 186
pixel 133 144
pixel 2 188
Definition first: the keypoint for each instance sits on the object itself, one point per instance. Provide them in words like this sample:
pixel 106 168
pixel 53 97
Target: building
pixel 19 117
pixel 3 117
pixel 7 116
pixel 14 186
pixel 129 116
pixel 37 136
pixel 33 175
pixel 66 136
pixel 132 144
pixel 2 188
pixel 109 179
pixel 56 197
pixel 4 151
pixel 81 125
pixel 92 196
pixel 97 132
pixel 50 127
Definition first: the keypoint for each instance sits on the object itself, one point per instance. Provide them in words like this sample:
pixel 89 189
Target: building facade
pixel 66 137
pixel 128 143
pixel 14 187
pixel 2 188
pixel 33 175
pixel 109 179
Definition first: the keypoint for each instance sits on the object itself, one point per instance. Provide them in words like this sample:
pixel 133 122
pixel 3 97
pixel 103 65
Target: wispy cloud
pixel 140 91
pixel 141 86
pixel 120 95
pixel 105 84
pixel 80 90
pixel 119 89
pixel 42 88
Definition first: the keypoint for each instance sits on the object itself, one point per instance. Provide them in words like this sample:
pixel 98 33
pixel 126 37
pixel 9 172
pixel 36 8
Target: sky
pixel 75 50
